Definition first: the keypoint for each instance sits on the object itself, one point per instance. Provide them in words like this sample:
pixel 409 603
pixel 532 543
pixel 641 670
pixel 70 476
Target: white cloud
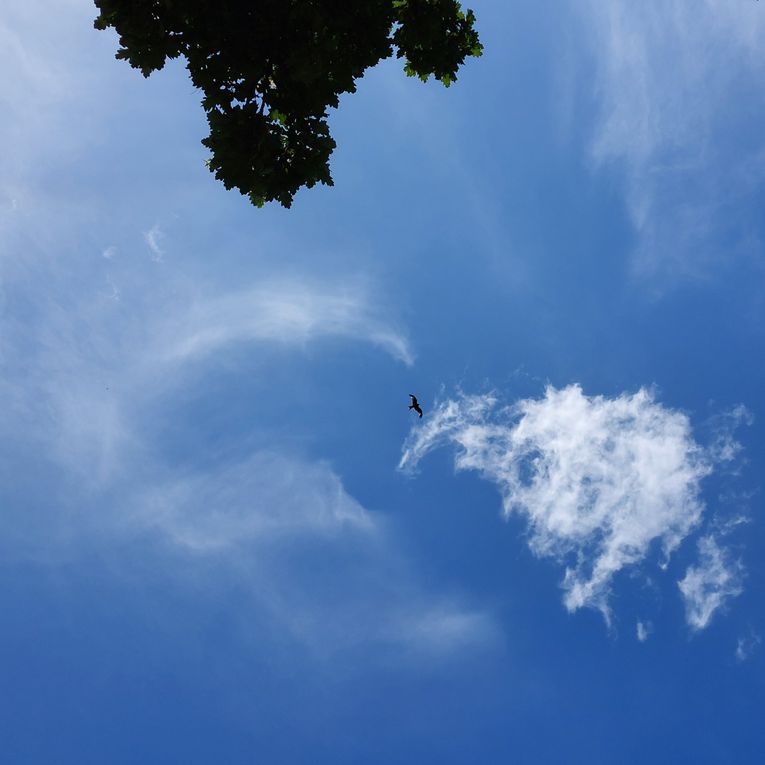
pixel 644 629
pixel 91 348
pixel 747 645
pixel 708 585
pixel 725 447
pixel 47 82
pixel 153 237
pixel 321 566
pixel 85 379
pixel 84 365
pixel 600 481
pixel 287 311
pixel 678 85
pixel 266 496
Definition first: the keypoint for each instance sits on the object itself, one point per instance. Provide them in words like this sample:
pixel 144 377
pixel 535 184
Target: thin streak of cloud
pixel 153 237
pixel 644 629
pixel 263 498
pixel 294 312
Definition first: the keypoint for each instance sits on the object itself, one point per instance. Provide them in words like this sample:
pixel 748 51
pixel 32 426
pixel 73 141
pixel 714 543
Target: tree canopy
pixel 269 71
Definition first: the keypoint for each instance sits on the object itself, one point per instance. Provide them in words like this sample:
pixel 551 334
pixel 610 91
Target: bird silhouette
pixel 415 404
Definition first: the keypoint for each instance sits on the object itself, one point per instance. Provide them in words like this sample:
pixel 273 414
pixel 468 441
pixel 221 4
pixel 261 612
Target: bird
pixel 415 404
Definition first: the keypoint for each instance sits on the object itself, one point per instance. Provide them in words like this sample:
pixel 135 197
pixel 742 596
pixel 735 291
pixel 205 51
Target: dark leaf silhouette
pixel 269 70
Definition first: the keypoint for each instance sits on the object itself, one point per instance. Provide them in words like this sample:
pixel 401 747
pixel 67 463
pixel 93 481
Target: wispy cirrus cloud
pixel 48 86
pixel 600 481
pixel 267 496
pixel 643 630
pixel 280 522
pixel 84 363
pixel 747 645
pixel 710 583
pixel 291 311
pixel 153 238
pixel 92 344
pixel 678 85
pixel 97 345
pixel 83 378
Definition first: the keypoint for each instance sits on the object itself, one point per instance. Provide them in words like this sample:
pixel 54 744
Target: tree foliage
pixel 270 70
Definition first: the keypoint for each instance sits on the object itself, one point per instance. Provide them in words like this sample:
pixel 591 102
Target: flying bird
pixel 415 404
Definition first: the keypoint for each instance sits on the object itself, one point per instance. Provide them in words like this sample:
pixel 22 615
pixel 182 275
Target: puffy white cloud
pixel 600 481
pixel 708 585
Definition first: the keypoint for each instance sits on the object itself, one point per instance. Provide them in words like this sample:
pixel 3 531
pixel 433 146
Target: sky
pixel 223 535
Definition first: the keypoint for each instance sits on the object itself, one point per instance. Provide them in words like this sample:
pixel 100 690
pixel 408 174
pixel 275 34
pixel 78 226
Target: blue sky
pixel 223 537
